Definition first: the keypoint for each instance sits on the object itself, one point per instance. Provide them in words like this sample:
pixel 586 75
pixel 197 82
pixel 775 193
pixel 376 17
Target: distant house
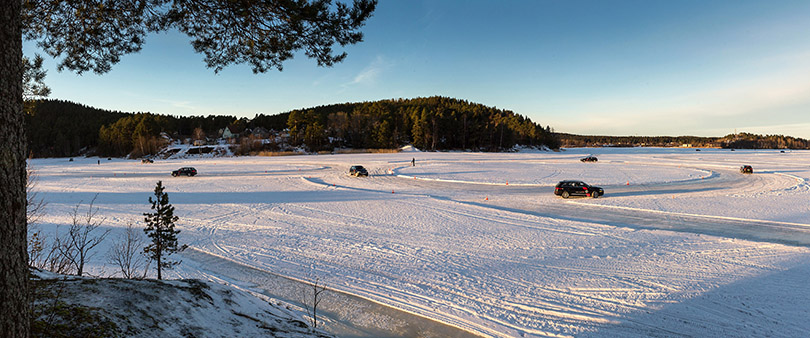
pixel 260 132
pixel 229 132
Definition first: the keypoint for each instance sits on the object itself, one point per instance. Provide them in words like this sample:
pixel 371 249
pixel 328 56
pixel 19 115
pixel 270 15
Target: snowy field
pixel 681 243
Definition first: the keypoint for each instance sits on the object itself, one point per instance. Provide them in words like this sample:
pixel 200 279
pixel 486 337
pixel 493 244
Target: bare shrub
pixel 312 293
pixel 126 252
pixel 47 255
pixel 36 247
pixel 76 246
pixel 36 206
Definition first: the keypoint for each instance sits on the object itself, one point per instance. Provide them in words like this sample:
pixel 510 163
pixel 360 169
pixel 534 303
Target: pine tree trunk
pixel 13 255
pixel 159 255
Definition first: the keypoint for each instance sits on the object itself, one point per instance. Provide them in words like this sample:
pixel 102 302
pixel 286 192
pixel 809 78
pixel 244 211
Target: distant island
pixel 731 141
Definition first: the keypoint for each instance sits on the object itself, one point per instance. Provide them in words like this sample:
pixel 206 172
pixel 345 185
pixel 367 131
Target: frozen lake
pixel 681 243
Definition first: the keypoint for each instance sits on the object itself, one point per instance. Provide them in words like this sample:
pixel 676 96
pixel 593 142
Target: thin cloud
pixel 187 105
pixel 370 74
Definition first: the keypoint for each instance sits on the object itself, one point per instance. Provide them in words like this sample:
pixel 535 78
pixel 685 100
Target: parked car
pixel 577 188
pixel 188 171
pixel 358 170
pixel 589 159
pixel 746 169
pixel 147 161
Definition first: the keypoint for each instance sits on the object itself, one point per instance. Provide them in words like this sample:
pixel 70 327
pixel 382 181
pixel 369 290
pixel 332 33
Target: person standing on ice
pixel 413 162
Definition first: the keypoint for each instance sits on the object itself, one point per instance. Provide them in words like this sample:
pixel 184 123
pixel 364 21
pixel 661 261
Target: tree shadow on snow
pixel 771 304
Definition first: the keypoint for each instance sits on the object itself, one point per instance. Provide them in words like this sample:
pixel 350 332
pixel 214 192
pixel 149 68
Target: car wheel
pixel 565 194
pixel 595 194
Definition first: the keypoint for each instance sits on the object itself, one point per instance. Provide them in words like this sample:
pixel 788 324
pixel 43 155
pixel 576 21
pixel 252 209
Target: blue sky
pixel 644 67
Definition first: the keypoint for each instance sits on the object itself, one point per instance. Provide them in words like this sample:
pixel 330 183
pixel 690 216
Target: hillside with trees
pixel 431 123
pixel 753 141
pixel 60 128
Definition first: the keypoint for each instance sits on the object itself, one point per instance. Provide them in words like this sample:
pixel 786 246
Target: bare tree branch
pixel 80 240
pixel 127 253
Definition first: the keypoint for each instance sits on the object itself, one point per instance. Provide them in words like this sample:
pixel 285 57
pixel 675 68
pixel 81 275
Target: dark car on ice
pixel 577 188
pixel 746 169
pixel 358 170
pixel 188 171
pixel 589 159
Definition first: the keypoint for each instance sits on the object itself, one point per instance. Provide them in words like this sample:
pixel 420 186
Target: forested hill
pixel 432 123
pixel 57 128
pixel 61 128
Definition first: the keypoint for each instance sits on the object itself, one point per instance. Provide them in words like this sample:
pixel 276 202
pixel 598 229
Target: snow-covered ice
pixel 478 240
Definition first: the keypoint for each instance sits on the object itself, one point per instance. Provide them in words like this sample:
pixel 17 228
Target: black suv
pixel 188 171
pixel 589 159
pixel 746 169
pixel 577 188
pixel 358 170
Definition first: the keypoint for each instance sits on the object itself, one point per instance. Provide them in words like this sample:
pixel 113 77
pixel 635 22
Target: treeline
pixel 574 141
pixel 733 141
pixel 752 141
pixel 59 128
pixel 56 128
pixel 432 123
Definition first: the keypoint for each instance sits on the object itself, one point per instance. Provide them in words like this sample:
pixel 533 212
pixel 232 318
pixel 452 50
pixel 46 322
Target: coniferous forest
pixel 731 141
pixel 432 123
pixel 60 128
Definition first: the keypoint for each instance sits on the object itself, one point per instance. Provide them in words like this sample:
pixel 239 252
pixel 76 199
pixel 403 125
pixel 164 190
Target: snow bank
pixel 153 308
pixel 409 149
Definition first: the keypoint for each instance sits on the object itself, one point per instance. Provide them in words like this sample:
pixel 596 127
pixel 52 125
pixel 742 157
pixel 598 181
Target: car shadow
pixel 654 192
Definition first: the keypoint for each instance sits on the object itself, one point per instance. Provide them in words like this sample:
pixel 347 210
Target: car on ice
pixel 746 169
pixel 567 189
pixel 357 171
pixel 188 171
pixel 589 159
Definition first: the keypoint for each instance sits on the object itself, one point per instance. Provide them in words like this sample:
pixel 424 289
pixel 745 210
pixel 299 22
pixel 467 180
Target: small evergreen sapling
pixel 160 229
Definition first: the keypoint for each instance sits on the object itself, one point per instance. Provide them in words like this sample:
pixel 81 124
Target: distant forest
pixel 432 123
pixel 57 128
pixel 733 141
